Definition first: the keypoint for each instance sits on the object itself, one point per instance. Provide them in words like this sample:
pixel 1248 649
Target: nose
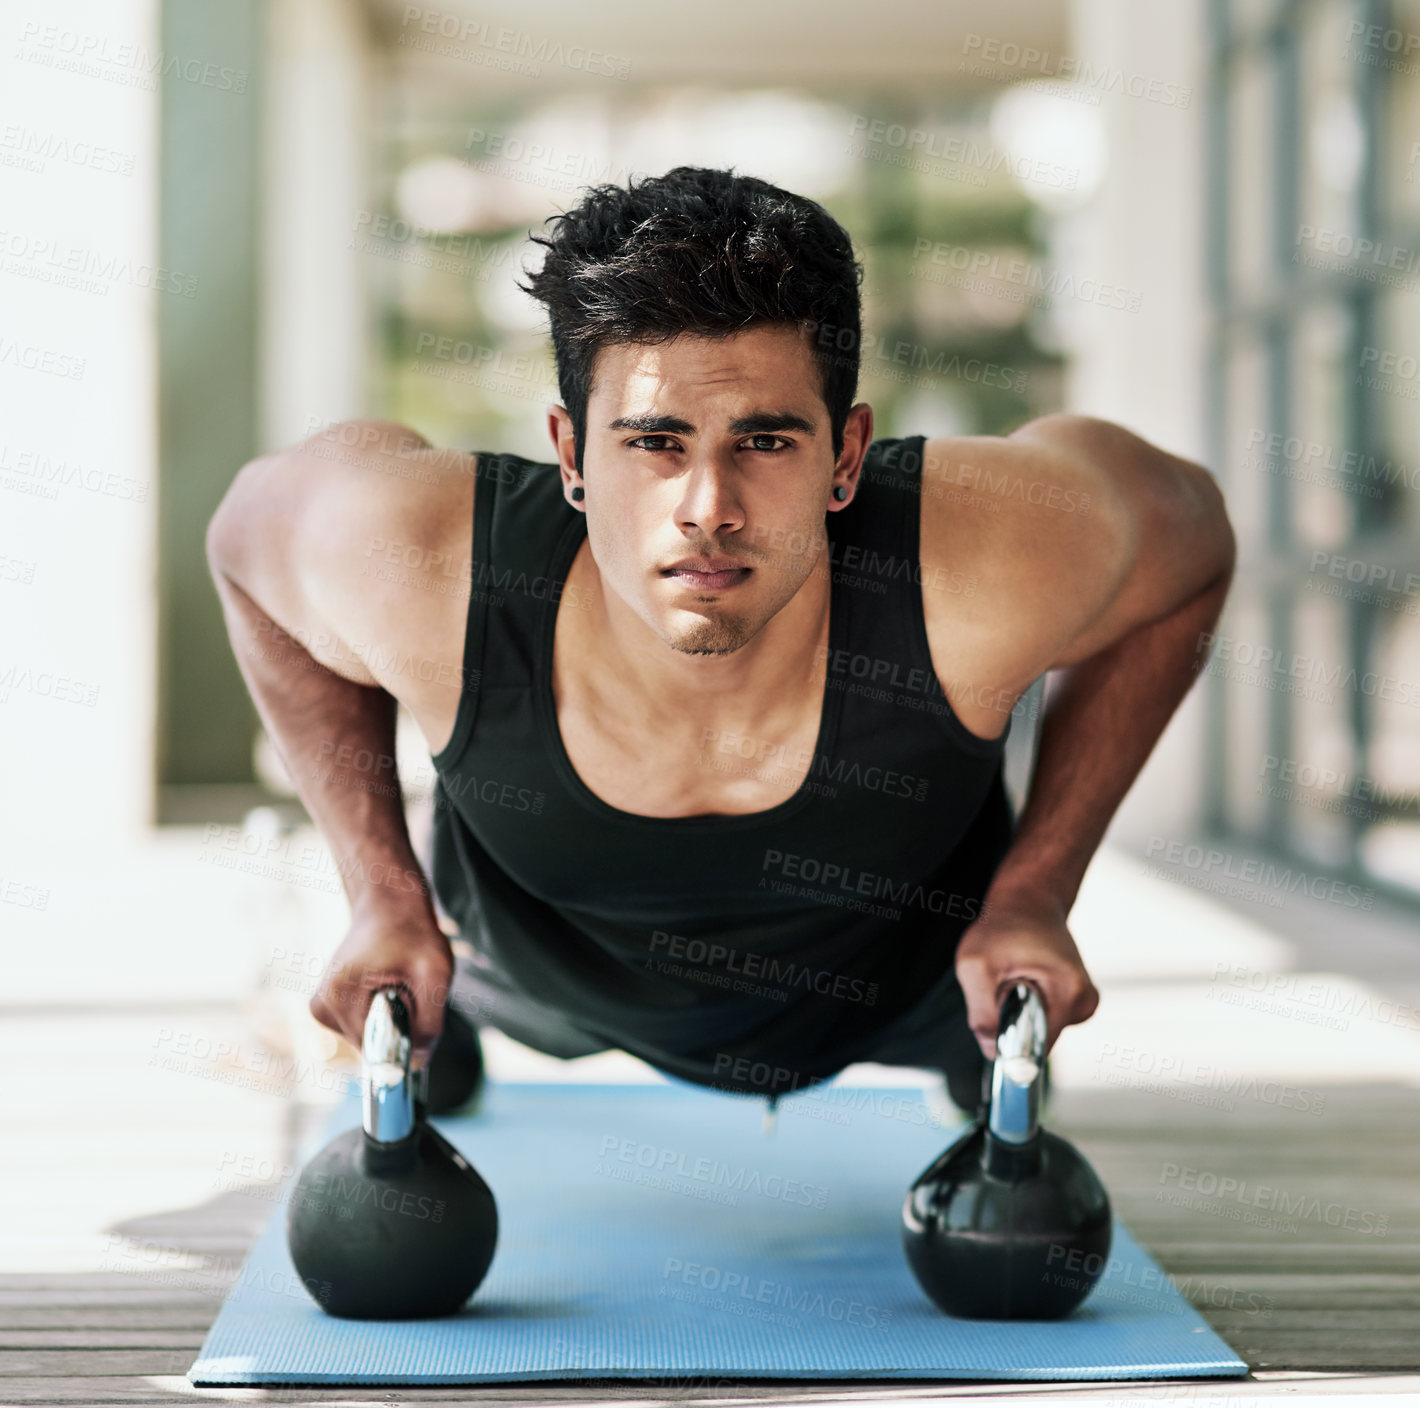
pixel 709 502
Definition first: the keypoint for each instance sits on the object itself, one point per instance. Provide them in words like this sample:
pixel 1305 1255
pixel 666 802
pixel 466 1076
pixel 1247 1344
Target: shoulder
pixel 349 477
pixel 1045 525
pixel 350 540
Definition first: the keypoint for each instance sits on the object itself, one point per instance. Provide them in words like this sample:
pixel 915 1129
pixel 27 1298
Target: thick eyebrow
pixel 756 423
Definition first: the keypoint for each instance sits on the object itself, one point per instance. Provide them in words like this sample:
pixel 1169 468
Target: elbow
pixel 229 531
pixel 221 542
pixel 1213 526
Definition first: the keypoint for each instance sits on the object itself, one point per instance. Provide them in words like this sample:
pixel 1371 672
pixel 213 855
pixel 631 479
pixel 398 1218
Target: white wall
pixel 317 331
pixel 78 473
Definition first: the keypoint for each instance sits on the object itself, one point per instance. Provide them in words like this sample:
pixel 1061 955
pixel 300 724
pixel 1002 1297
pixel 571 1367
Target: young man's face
pixel 711 451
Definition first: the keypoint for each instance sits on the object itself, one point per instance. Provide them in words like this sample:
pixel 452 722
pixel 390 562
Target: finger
pixel 427 1014
pixel 320 1009
pixel 1086 1003
pixel 1090 1004
pixel 978 986
pixel 1077 1002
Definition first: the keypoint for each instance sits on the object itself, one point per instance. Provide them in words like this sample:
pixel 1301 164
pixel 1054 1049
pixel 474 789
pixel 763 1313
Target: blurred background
pixel 231 225
pixel 227 225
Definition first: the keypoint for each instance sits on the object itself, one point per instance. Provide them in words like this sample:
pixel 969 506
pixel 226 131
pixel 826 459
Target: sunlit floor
pixel 164 1068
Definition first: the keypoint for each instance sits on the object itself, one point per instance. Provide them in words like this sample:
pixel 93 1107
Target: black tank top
pixel 716 947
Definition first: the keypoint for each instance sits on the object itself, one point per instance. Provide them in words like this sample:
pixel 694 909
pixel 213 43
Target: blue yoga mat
pixel 656 1232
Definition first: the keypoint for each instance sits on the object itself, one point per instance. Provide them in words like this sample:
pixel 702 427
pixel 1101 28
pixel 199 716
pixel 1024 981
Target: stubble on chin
pixel 718 637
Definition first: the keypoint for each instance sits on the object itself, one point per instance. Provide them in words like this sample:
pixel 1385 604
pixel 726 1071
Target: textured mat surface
pixel 656 1232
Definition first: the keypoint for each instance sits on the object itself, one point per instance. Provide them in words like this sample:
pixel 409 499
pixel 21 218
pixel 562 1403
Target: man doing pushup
pixel 717 699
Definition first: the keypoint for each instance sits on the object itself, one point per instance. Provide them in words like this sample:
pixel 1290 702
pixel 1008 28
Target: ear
pixel 564 444
pixel 857 437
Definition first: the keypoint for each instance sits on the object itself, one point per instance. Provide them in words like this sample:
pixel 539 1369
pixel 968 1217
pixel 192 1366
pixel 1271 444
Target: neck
pixel 672 693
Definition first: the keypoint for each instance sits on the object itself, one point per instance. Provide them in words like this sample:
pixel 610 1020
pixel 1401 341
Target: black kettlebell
pixel 1010 1222
pixel 390 1221
pixel 455 1070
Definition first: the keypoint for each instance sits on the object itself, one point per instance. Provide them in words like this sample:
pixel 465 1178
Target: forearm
pixel 1102 720
pixel 314 717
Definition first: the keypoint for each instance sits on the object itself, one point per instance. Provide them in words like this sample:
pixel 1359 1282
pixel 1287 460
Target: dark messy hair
pixel 700 251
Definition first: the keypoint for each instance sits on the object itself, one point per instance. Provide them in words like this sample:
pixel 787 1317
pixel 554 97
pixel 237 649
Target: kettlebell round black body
pixel 1010 1222
pixel 389 1221
pixel 455 1070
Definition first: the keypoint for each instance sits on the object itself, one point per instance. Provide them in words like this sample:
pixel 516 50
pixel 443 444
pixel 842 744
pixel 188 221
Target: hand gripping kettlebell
pixel 1010 1222
pixel 390 1221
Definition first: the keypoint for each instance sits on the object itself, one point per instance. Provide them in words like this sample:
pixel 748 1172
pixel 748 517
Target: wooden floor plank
pixel 74 1363
pixel 113 1316
pixel 87 1338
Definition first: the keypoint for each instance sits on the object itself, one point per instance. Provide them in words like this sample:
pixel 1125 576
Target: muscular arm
pixel 285 551
pixel 1121 679
pixel 1116 603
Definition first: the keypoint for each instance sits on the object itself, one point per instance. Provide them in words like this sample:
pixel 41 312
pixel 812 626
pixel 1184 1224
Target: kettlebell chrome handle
pixel 386 1081
pixel 1016 1077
